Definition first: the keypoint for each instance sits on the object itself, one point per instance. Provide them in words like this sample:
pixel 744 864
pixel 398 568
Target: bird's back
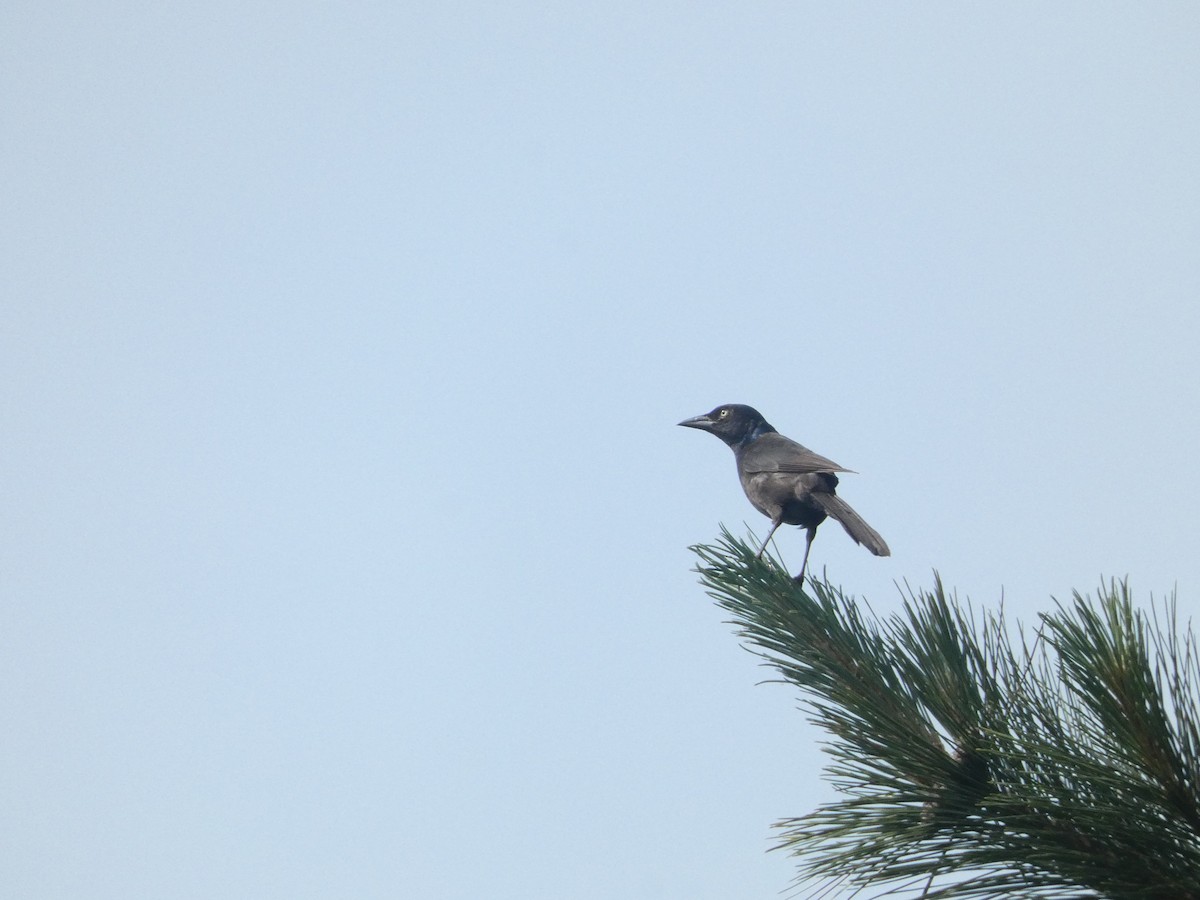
pixel 774 453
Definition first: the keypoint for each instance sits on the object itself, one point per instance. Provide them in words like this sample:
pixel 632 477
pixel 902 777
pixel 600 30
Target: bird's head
pixel 734 423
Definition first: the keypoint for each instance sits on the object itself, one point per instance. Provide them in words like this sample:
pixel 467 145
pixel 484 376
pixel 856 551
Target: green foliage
pixel 973 761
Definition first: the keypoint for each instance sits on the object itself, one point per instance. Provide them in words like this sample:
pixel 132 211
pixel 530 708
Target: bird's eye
pixel 722 414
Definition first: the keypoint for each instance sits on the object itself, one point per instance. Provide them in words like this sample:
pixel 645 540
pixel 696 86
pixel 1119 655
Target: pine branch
pixel 978 763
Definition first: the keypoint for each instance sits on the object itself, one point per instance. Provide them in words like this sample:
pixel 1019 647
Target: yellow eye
pixel 722 414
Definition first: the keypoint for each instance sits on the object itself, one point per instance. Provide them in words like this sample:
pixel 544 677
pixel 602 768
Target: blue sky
pixel 345 520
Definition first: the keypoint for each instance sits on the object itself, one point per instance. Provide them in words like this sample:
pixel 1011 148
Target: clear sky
pixel 344 515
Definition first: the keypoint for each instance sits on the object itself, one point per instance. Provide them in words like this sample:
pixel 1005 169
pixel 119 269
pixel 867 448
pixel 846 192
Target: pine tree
pixel 975 759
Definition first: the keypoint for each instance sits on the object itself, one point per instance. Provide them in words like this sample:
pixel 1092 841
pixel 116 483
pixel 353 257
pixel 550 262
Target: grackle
pixel 784 480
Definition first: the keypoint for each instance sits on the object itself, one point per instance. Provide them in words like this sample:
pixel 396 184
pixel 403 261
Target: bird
pixel 785 481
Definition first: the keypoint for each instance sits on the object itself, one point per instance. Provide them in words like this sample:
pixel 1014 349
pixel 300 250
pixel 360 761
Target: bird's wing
pixel 775 453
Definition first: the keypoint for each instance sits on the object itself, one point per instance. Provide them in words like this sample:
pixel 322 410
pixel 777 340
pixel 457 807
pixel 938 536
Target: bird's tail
pixel 860 531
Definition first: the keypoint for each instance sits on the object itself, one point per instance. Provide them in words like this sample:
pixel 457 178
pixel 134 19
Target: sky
pixel 344 518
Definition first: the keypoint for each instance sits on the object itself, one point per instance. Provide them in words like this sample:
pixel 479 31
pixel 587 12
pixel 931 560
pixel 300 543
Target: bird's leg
pixel 774 524
pixel 812 533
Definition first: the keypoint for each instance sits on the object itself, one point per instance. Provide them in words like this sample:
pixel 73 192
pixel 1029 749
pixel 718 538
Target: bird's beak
pixel 704 423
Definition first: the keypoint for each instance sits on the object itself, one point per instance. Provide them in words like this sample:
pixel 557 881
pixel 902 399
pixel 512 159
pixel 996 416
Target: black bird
pixel 784 480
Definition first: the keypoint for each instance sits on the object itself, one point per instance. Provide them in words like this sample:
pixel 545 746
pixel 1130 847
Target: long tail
pixel 860 531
